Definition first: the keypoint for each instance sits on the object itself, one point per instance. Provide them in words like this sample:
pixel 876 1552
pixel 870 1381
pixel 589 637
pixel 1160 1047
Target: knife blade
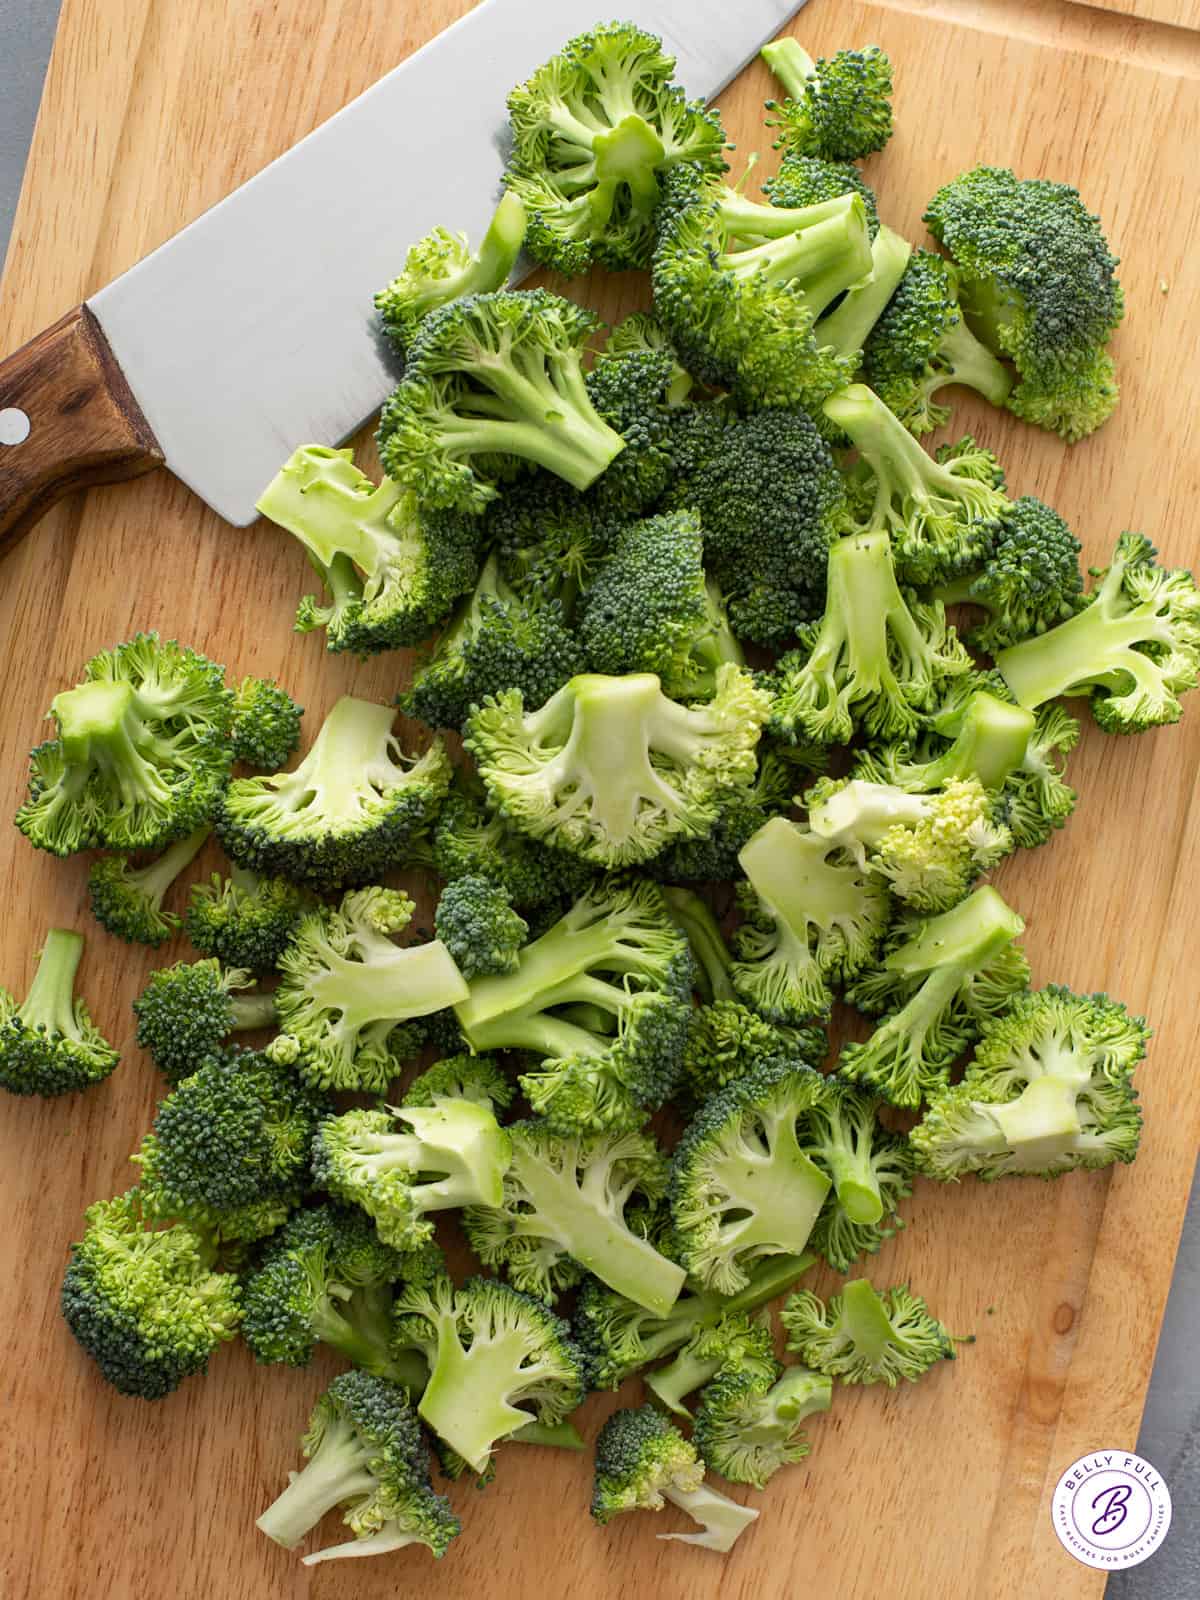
pixel 253 330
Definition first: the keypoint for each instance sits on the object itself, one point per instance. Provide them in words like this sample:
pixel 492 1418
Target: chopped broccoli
pixel 471 841
pixel 1050 1088
pixel 746 1429
pixel 266 724
pixel 477 924
pixel 461 1077
pixel 1028 581
pixel 629 390
pixel 639 331
pixel 549 537
pixel 187 1011
pixel 49 1044
pixel 838 109
pixel 244 920
pixel 863 1337
pixel 141 754
pixel 871 1170
pixel 737 1343
pixel 128 900
pixel 845 329
pixel 807 181
pixel 1038 798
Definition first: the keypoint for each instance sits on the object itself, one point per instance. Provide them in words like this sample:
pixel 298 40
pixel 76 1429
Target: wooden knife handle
pixel 68 420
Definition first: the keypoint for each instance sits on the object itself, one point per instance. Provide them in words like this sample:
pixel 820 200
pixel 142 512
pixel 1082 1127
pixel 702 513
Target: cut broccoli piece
pixel 747 1429
pixel 266 724
pixel 640 331
pixel 863 1337
pixel 128 900
pixel 736 1344
pixel 845 329
pixel 1037 797
pixel 550 538
pixel 49 1044
pixel 808 181
pixel 1050 1088
pixel 1028 581
pixel 244 920
pixel 838 109
pixel 477 924
pixel 186 1012
pixel 461 1077
pixel 871 1169
pixel 629 390
pixel 471 841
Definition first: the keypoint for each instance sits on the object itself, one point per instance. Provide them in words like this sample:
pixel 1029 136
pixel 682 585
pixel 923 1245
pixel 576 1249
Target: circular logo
pixel 1111 1509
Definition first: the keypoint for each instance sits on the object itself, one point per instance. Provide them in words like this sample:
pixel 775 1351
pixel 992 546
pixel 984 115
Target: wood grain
pixel 151 113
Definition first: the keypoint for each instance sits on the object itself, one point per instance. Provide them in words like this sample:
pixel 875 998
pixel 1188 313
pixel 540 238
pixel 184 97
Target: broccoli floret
pixel 1050 1088
pixel 846 328
pixel 186 1012
pixel 814 917
pixel 1038 798
pixel 746 1429
pixel 497 1358
pixel 494 381
pixel 1039 288
pixel 807 181
pixel 613 770
pixel 266 724
pixel 563 1212
pixel 128 900
pixel 477 924
pixel 875 658
pixel 144 1301
pixel 244 920
pixel 442 267
pixel 1133 648
pixel 391 575
pixel 922 344
pixel 550 538
pixel 642 1461
pixel 629 390
pixel 591 129
pixel 471 841
pixel 639 331
pixel 838 109
pixel 327 1278
pixel 1027 582
pixel 365 1454
pixel 713 859
pixel 348 811
pixel 141 754
pixel 49 1044
pixel 347 990
pixel 737 1343
pixel 863 1337
pixel 870 1167
pixel 461 1077
pixel 942 978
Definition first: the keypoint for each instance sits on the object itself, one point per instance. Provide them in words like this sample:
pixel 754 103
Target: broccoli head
pixel 838 109
pixel 737 1343
pixel 462 1077
pixel 244 920
pixel 471 841
pixel 808 181
pixel 186 1012
pixel 860 1336
pixel 49 1044
pixel 477 924
pixel 266 724
pixel 1027 582
pixel 641 331
pixel 128 900
pixel 747 1428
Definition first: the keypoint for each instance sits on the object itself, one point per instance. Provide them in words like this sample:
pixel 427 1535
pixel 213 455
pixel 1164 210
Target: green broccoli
pixel 1027 582
pixel 808 181
pixel 747 1428
pixel 838 109
pixel 736 1344
pixel 461 1077
pixel 1049 1089
pixel 630 390
pixel 477 924
pixel 1038 285
pixel 870 1167
pixel 266 724
pixel 187 1011
pixel 1133 647
pixel 846 328
pixel 640 331
pixel 244 920
pixel 863 1337
pixel 141 754
pixel 128 900
pixel 471 841
pixel 144 1301
pixel 348 811
pixel 942 978
pixel 365 1454
pixel 1038 798
pixel 49 1044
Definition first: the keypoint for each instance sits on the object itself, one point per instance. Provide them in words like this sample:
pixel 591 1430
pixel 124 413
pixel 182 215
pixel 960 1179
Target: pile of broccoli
pixel 752 690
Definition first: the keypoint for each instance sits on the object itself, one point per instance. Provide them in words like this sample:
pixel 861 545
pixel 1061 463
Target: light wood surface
pixel 151 113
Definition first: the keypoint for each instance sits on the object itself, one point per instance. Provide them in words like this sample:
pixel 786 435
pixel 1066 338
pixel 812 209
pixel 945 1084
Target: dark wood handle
pixel 68 420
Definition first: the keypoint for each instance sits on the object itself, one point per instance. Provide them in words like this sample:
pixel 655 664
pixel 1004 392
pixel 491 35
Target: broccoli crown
pixel 808 181
pixel 870 1168
pixel 838 109
pixel 713 858
pixel 143 1301
pixel 639 331
pixel 735 1344
pixel 244 920
pixel 941 978
pixel 875 660
pixel 861 1336
pixel 1039 287
pixel 814 916
pixel 49 1044
pixel 492 382
pixel 1028 581
pixel 128 900
pixel 471 841
pixel 442 267
pixel 347 989
pixel 365 1454
pixel 185 1013
pixel 616 950
pixel 741 1186
pixel 497 1359
pixel 266 724
pixel 141 754
pixel 563 1212
pixel 549 537
pixel 639 1453
pixel 461 1077
pixel 630 389
pixel 477 924
pixel 746 1429
pixel 726 1039
pixel 612 769
pixel 1133 647
pixel 390 575
pixel 1050 1088
pixel 346 813
pixel 591 129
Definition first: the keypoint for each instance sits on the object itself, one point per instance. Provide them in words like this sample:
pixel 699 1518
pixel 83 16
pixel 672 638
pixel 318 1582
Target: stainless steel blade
pixel 253 331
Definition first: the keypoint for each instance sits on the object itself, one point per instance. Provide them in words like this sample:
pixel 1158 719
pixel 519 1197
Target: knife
pixel 253 331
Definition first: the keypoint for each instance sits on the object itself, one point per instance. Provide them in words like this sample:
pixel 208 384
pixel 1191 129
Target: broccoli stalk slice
pixel 394 985
pixel 723 1521
pixel 694 918
pixel 845 329
pixel 331 774
pixel 99 728
pixel 50 1003
pixel 339 1470
pixel 336 513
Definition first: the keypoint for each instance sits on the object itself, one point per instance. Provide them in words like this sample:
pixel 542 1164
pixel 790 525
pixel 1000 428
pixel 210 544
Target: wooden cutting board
pixel 153 111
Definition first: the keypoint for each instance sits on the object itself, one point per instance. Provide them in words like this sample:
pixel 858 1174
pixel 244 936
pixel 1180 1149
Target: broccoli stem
pixel 790 872
pixel 390 1537
pixel 823 260
pixel 903 471
pixel 722 1519
pixel 154 880
pixel 845 329
pixel 99 726
pixel 1044 1118
pixel 558 1435
pixel 960 940
pixel 318 498
pixel 790 63
pixel 854 1180
pixel 680 1377
pixel 498 249
pixel 337 1471
pixel 50 1003
pixel 961 358
pixel 864 1321
pixel 752 220
pixel 465 1401
pixel 865 607
pixel 391 986
pixel 252 1011
pixel 694 918
pixel 990 744
pixel 557 426
pixel 357 1322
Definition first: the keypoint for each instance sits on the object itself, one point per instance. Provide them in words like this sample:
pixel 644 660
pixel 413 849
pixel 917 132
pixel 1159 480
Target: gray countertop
pixel 1170 1436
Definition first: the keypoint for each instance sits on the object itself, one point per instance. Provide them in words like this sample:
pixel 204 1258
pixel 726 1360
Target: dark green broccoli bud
pixel 128 900
pixel 266 724
pixel 746 1429
pixel 1133 647
pixel 1050 1088
pixel 808 181
pixel 244 920
pixel 471 841
pixel 871 1169
pixel 365 1454
pixel 642 1461
pixel 942 978
pixel 141 754
pixel 477 924
pixel 563 1213
pixel 550 538
pixel 327 1278
pixel 347 990
pixel 613 770
pixel 461 1077
pixel 442 267
pixel 629 390
pixel 616 949
pixel 347 813
pixel 1028 581
pixel 838 109
pixel 591 129
pixel 49 1044
pixel 144 1301
pixel 186 1012
pixel 641 330
pixel 737 1343
pixel 1038 285
pixel 863 1337
pixel 497 1359
pixel 494 381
